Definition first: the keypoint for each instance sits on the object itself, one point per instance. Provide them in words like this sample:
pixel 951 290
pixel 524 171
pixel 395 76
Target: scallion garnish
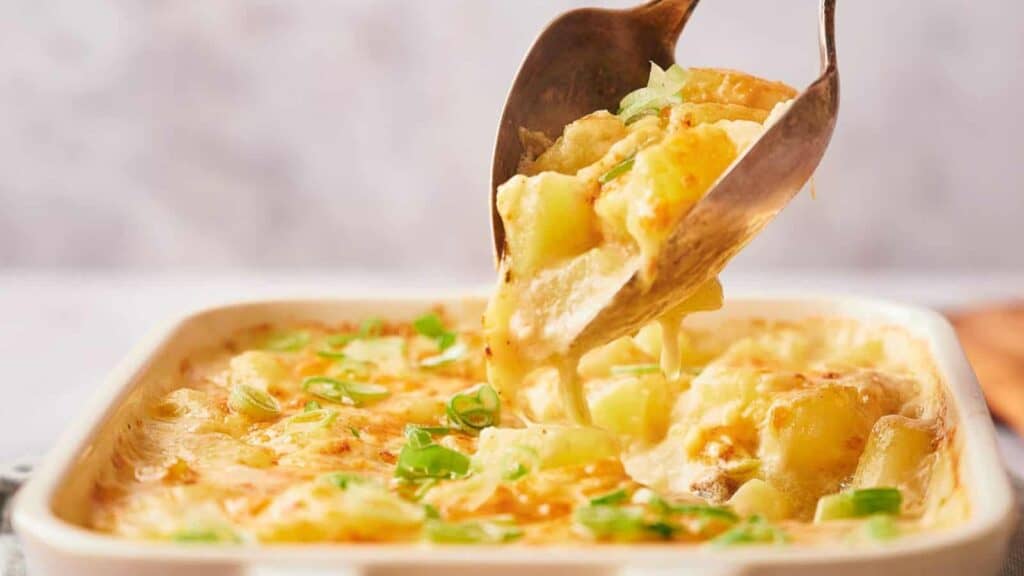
pixel 859 504
pixel 253 402
pixel 206 536
pixel 413 429
pixel 287 342
pixel 311 405
pixel 341 391
pixel 471 532
pixel 691 509
pixel 663 89
pixel 474 409
pixel 518 462
pixel 423 488
pixel 343 479
pixel 354 431
pixel 882 527
pixel 615 523
pixel 632 369
pixel 420 458
pixel 755 530
pixel 369 328
pixel 431 326
pixel 618 170
pixel 450 355
pixel 610 499
pixel 322 416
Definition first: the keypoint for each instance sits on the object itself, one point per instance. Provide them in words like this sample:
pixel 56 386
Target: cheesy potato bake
pixel 770 433
pixel 592 209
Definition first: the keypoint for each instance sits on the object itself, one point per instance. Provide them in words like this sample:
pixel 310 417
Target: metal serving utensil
pixel 587 60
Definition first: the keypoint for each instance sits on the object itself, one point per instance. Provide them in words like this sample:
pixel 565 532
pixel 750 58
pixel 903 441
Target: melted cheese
pixel 766 417
pixel 596 207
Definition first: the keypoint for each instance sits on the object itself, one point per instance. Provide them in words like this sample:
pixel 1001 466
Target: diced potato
pixel 634 406
pixel 898 453
pixel 666 180
pixel 321 511
pixel 598 363
pixel 547 218
pixel 415 407
pixel 813 438
pixel 256 368
pixel 555 446
pixel 690 114
pixel 756 496
pixel 732 87
pixel 582 143
pixel 387 353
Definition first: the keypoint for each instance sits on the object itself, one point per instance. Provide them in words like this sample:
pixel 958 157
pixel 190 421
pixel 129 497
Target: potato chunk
pixel 898 454
pixel 756 496
pixel 582 143
pixel 813 439
pixel 555 446
pixel 634 406
pixel 547 218
pixel 256 368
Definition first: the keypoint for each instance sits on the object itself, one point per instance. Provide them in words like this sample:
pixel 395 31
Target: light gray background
pixel 357 134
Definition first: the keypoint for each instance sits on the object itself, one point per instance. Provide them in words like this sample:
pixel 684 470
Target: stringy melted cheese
pixel 579 222
pixel 765 417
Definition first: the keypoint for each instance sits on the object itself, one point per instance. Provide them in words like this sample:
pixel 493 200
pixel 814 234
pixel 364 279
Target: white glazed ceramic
pixel 60 487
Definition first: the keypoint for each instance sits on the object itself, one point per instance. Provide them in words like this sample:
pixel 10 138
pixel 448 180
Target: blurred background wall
pixel 357 134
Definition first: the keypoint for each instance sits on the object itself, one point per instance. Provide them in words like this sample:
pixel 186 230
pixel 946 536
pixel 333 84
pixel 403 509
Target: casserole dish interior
pixel 56 503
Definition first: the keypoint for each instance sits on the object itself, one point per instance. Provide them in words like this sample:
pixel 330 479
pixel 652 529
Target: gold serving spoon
pixel 587 60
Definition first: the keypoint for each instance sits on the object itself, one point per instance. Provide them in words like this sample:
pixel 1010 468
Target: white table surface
pixel 61 332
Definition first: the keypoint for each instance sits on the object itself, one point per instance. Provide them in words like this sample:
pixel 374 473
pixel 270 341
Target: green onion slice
pixel 222 535
pixel 419 460
pixel 450 355
pixel 859 504
pixel 431 326
pixel 287 342
pixel 882 527
pixel 519 461
pixel 344 479
pixel 755 530
pixel 471 532
pixel 311 406
pixel 663 89
pixel 354 431
pixel 631 369
pixel 322 416
pixel 621 523
pixel 341 391
pixel 610 499
pixel 253 402
pixel 474 409
pixel 618 170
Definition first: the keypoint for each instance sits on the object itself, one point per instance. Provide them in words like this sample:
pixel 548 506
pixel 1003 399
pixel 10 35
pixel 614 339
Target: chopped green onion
pixel 354 431
pixel 471 532
pixel 206 536
pixel 630 369
pixel 519 461
pixel 858 504
pixel 420 458
pixel 311 405
pixel 341 391
pixel 411 429
pixel 450 355
pixel 369 328
pixel 618 170
pixel 755 530
pixel 323 416
pixel 253 402
pixel 882 527
pixel 663 89
pixel 610 499
pixel 430 512
pixel 617 523
pixel 287 342
pixel 474 409
pixel 424 487
pixel 344 479
pixel 431 326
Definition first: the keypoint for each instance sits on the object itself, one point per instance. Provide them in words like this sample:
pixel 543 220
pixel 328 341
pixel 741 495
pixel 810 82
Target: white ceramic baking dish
pixel 59 490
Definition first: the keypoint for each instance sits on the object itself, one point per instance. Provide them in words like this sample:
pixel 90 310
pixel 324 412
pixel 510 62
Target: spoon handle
pixel 668 17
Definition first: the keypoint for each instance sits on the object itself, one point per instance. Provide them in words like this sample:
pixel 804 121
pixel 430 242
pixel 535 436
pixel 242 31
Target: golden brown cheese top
pixel 387 432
